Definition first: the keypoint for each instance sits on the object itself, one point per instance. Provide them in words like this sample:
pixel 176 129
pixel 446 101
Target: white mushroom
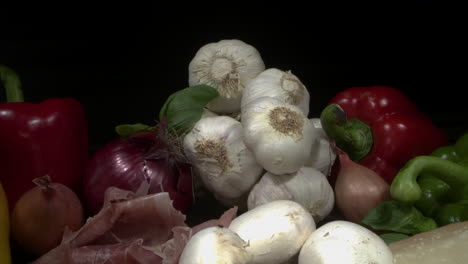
pixel 340 242
pixel 275 231
pixel 214 245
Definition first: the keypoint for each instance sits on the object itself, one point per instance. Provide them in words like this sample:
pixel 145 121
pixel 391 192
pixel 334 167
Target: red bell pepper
pixel 381 128
pixel 49 138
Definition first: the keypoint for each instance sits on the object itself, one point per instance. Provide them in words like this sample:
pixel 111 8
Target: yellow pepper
pixel 5 254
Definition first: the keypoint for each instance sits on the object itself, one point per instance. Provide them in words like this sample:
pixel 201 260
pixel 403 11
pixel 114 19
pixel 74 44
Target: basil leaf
pixel 398 217
pixel 393 237
pixel 184 108
pixel 126 130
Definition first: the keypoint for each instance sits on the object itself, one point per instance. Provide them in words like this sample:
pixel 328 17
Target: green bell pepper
pixel 434 193
pixel 451 213
pixel 437 185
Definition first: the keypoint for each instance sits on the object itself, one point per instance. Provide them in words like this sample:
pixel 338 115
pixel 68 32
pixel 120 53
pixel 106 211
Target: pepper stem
pixel 405 187
pixel 12 84
pixel 352 136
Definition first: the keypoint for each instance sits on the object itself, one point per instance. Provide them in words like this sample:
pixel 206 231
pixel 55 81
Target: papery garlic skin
pixel 322 155
pixel 275 231
pixel 215 245
pixel 282 85
pixel 228 65
pixel 216 150
pixel 308 187
pixel 279 134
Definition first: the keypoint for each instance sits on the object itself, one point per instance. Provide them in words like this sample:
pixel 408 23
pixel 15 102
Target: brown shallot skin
pixel 41 214
pixel 358 189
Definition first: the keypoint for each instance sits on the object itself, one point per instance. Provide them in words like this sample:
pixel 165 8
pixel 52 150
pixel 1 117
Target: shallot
pixel 41 215
pixel 358 189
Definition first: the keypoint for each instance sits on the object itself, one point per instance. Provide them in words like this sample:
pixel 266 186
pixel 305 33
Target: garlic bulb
pixel 308 187
pixel 216 150
pixel 279 134
pixel 322 155
pixel 214 245
pixel 228 66
pixel 282 85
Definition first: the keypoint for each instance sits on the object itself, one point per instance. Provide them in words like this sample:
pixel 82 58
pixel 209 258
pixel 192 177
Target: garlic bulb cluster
pixel 282 85
pixel 216 149
pixel 228 66
pixel 258 123
pixel 308 187
pixel 279 134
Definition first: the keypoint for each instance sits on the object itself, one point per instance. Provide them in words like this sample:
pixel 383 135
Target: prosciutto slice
pixel 131 228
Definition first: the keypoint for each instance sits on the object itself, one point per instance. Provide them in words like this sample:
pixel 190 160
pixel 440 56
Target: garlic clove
pixel 228 66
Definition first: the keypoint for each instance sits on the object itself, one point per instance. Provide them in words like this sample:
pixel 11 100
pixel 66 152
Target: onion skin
pixel 41 215
pixel 128 161
pixel 358 189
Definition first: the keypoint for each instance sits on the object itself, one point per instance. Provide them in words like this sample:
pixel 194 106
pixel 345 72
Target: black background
pixel 122 63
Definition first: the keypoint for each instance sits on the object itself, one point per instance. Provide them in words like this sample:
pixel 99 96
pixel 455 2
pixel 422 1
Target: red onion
pixel 128 161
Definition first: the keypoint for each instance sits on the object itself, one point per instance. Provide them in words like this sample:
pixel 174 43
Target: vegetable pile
pixel 340 187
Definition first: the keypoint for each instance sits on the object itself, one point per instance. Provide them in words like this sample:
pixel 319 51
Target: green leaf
pixel 393 237
pixel 126 130
pixel 185 107
pixel 398 217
